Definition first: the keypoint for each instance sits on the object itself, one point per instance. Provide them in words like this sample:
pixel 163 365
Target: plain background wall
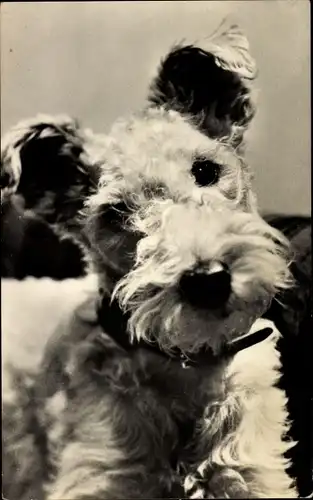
pixel 94 60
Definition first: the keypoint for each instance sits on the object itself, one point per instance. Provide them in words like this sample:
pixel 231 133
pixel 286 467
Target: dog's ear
pixel 209 82
pixel 44 161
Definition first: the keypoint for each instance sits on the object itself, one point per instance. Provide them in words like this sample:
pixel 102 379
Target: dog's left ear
pixel 209 82
pixel 44 161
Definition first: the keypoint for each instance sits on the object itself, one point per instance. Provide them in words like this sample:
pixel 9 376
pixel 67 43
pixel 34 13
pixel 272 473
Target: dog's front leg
pixel 244 432
pixel 102 470
pixel 210 481
pixel 245 456
pixel 105 450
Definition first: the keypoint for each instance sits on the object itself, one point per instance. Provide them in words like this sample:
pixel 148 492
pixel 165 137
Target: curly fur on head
pixel 137 230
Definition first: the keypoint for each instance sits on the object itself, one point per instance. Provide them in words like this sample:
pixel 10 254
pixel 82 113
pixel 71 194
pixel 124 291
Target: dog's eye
pixel 205 172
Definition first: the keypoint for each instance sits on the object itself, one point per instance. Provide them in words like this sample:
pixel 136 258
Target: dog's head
pixel 173 225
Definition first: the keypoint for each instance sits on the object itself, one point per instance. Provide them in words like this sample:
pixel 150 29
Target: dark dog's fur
pixel 30 247
pixel 111 418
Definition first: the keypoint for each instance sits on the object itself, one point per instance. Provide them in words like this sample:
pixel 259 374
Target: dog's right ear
pixel 209 82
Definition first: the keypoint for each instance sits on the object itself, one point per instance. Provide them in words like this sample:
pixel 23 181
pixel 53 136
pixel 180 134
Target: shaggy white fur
pixel 257 442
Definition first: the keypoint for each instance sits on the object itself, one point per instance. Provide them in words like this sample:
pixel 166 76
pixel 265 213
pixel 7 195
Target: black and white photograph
pixel 156 273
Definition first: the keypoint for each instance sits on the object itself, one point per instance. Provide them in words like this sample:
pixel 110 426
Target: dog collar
pixel 114 322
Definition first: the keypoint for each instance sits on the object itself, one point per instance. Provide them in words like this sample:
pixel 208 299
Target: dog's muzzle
pixel 114 323
pixel 207 286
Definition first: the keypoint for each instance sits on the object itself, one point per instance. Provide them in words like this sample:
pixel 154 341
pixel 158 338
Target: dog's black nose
pixel 206 287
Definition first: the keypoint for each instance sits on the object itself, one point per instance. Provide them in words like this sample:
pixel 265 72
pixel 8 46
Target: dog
pixel 163 384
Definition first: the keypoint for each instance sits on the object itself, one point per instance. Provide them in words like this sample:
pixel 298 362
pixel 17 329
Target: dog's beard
pixel 255 253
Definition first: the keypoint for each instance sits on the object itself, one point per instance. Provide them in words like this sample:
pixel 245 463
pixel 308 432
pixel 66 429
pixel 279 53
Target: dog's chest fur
pixel 154 406
pixel 155 385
